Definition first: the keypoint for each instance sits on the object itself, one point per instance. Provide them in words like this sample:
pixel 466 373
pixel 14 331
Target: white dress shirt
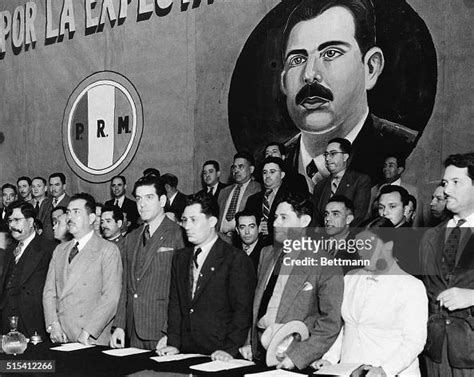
pixel 385 322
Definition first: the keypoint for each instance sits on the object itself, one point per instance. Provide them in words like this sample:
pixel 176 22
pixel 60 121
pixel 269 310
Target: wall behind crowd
pixel 181 61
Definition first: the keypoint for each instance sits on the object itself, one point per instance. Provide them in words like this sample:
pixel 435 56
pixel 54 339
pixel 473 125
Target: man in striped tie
pixel 341 181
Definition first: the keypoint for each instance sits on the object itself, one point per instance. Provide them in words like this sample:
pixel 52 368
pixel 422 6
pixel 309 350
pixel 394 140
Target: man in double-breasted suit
pixel 210 312
pixel 309 293
pixel 447 262
pixel 354 186
pixel 148 250
pixel 24 272
pixel 84 281
pixel 233 198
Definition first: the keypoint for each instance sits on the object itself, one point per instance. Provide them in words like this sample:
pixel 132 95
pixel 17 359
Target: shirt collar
pixel 173 196
pixel 58 199
pixel 468 224
pixel 83 241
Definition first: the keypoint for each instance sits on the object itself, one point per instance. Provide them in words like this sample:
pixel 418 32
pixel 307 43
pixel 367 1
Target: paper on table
pixel 275 373
pixel 181 356
pixel 124 351
pixel 338 369
pixel 71 347
pixel 215 366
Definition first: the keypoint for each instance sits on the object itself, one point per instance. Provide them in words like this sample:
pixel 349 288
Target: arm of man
pixel 361 199
pixel 98 318
pixel 242 282
pixel 174 310
pixel 49 293
pixel 323 322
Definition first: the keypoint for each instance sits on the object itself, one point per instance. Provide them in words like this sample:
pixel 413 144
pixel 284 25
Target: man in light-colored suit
pixel 233 198
pixel 84 280
pixel 310 293
pixel 148 251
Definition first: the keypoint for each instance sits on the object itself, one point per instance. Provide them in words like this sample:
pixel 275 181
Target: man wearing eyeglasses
pixel 341 181
pixel 24 272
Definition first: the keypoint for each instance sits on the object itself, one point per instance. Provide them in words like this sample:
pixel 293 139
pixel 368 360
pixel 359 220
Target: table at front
pixel 92 362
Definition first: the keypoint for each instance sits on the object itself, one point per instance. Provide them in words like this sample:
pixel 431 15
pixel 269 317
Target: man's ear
pixel 218 174
pixel 373 62
pixel 213 221
pixel 349 219
pixel 282 82
pixel 305 220
pixel 400 170
pixel 92 217
pixel 252 168
pixel 163 200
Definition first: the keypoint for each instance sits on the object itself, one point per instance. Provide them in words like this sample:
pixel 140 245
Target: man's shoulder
pixel 254 187
pixel 356 176
pixel 44 243
pixel 432 233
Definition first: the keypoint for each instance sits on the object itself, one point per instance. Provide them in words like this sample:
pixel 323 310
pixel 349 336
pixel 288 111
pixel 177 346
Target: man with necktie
pixel 210 173
pixel 24 272
pixel 57 188
pixel 142 313
pixel 118 189
pixel 84 280
pixel 9 195
pixel 212 287
pixel 447 262
pixel 341 181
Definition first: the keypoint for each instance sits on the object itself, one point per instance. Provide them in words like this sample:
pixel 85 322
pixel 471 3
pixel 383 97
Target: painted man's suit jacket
pixel 35 260
pixel 144 298
pixel 312 294
pixel 84 294
pixel 219 315
pixel 457 326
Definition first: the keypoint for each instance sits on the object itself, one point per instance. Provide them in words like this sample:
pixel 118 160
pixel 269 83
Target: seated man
pixel 212 287
pixel 308 293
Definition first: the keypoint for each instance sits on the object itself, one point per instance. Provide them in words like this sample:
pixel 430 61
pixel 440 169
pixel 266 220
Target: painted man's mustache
pixel 313 90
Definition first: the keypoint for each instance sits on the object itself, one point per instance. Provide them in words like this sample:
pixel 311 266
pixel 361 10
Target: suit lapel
pixel 80 264
pixel 211 264
pixel 32 255
pixel 262 282
pixel 136 245
pixel 345 183
pixel 465 249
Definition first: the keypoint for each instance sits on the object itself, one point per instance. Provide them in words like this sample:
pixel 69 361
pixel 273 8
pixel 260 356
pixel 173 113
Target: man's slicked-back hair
pixel 246 213
pixel 362 11
pixel 404 195
pixel 213 163
pixel 344 144
pixel 59 175
pixel 152 171
pixel 170 179
pixel 121 177
pixel 397 156
pixel 150 180
pixel 245 155
pixel 24 178
pixel 10 186
pixel 59 208
pixel 89 199
pixel 281 147
pixel 349 204
pixel 117 213
pixel 465 160
pixel 208 204
pixel 300 204
pixel 274 160
pixel 27 209
pixel 41 179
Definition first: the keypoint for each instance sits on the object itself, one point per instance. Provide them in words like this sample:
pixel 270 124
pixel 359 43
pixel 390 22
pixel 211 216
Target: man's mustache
pixel 16 230
pixel 313 90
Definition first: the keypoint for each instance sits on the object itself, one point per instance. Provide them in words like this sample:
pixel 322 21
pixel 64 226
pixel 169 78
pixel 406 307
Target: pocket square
pixel 307 286
pixel 161 249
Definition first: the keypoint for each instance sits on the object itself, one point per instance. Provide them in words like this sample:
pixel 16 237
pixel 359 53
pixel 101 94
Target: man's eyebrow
pixel 322 46
pixel 300 51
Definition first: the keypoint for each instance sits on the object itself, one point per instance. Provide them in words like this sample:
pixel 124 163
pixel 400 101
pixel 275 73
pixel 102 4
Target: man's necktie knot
pixel 195 256
pixel 17 251
pixel 311 169
pixel 146 234
pixel 74 252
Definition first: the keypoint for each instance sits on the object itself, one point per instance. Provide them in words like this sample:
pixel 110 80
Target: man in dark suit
pixel 338 216
pixel 212 287
pixel 43 205
pixel 143 308
pixel 233 198
pixel 24 272
pixel 342 181
pixel 447 263
pixel 23 184
pixel 111 220
pixel 175 200
pixel 210 176
pixel 57 189
pixel 265 202
pixel 247 223
pixel 293 181
pixel 393 205
pixel 118 187
pixel 326 88
pixel 285 292
pixel 9 195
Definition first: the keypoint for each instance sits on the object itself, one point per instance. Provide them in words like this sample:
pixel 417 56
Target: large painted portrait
pixel 315 70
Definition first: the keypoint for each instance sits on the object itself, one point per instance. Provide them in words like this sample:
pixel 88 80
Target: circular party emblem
pixel 102 126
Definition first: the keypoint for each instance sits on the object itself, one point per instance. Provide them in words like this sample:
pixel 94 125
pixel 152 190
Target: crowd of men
pixel 201 273
pixel 204 273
